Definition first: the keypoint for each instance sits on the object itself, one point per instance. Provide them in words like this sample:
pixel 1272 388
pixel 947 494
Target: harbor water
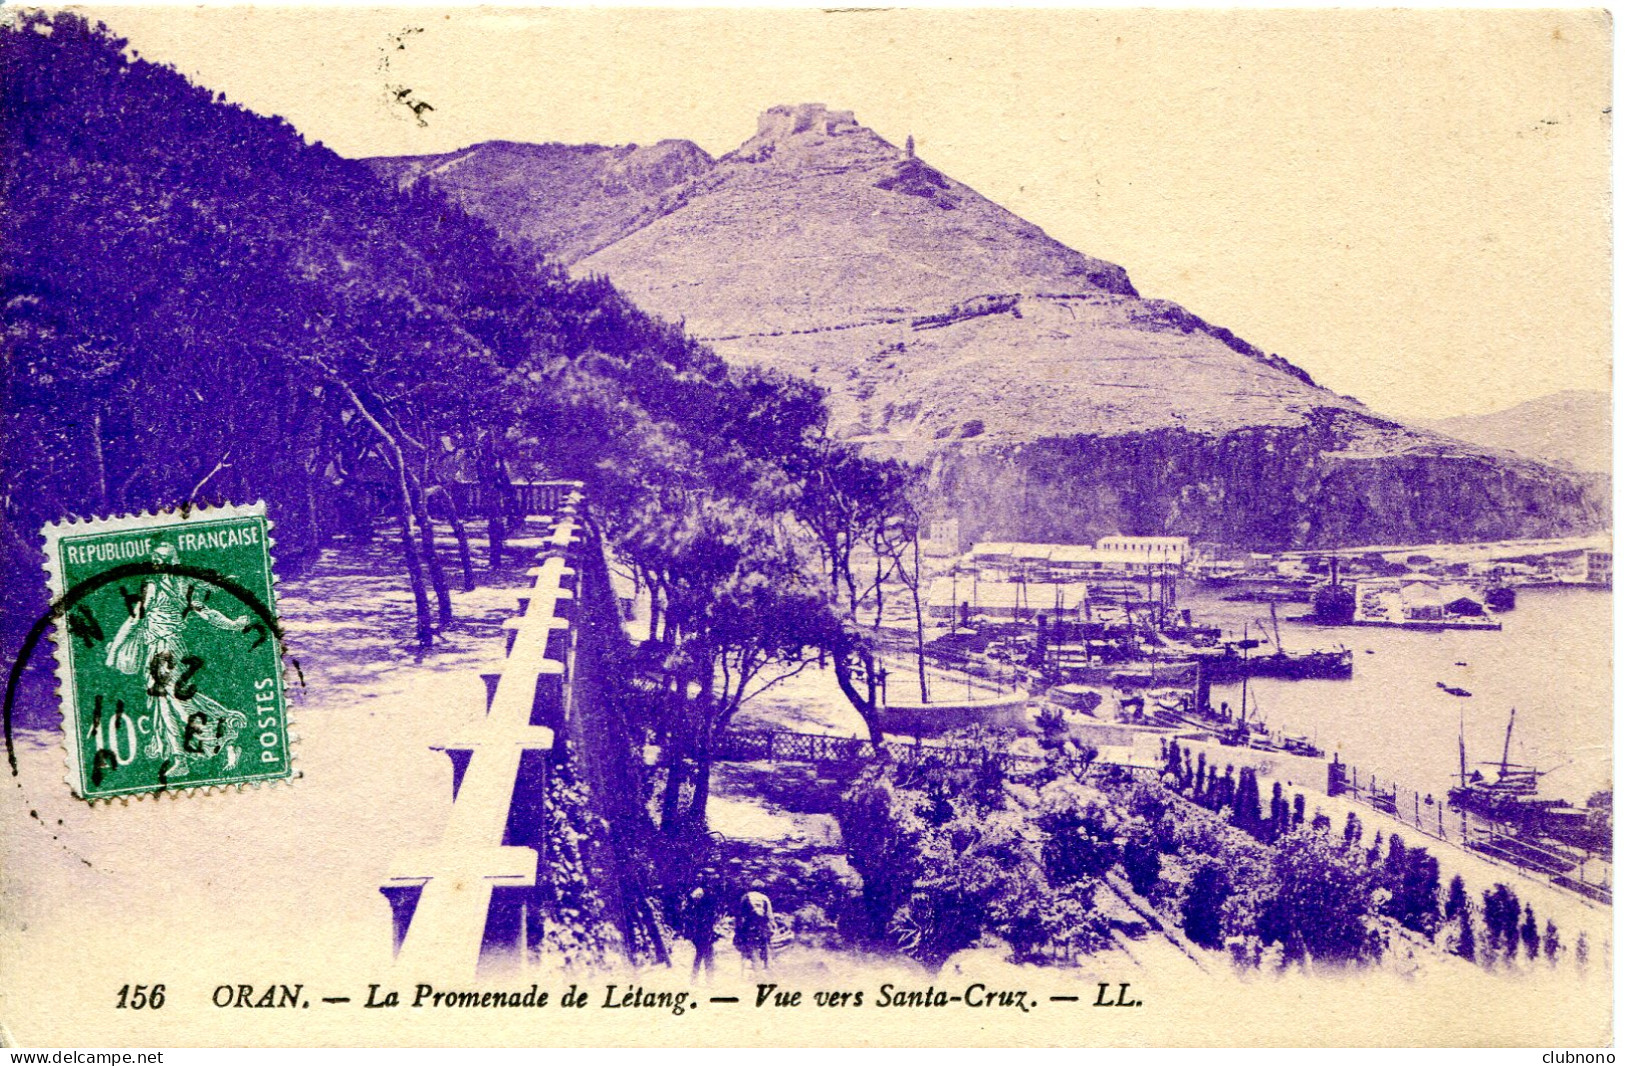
pixel 1552 660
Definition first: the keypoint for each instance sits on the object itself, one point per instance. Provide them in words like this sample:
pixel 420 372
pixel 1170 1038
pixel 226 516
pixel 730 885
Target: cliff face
pixel 1268 487
pixel 1047 397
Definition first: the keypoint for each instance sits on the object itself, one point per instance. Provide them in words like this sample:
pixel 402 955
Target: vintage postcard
pixel 530 527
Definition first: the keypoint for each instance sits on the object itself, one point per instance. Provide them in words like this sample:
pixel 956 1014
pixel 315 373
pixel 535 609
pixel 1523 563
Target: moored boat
pixel 1512 799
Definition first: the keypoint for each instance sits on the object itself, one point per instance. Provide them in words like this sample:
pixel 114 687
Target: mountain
pixel 1573 427
pixel 1049 399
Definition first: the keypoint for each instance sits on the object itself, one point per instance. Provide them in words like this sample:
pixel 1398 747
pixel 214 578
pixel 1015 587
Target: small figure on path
pixel 700 924
pixel 753 926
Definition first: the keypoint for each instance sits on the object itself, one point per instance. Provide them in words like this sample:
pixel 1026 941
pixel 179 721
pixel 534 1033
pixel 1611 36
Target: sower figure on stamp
pixel 700 912
pixel 753 926
pixel 152 641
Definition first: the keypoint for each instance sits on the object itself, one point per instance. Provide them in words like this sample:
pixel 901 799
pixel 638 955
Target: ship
pixel 1300 745
pixel 1231 661
pixel 1512 799
pixel 1227 664
pixel 1196 708
pixel 1333 602
pixel 1333 605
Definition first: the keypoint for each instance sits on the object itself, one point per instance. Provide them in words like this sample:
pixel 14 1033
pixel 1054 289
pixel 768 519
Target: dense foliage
pixel 959 858
pixel 950 857
pixel 201 307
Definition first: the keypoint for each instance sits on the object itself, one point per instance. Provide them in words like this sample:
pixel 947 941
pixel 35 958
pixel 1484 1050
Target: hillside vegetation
pixel 202 307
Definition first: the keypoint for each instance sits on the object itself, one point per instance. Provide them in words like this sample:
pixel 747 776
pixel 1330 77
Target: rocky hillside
pixel 564 201
pixel 1048 397
pixel 1573 427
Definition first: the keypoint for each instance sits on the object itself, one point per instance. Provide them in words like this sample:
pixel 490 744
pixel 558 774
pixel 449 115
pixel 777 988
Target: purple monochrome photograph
pixel 520 529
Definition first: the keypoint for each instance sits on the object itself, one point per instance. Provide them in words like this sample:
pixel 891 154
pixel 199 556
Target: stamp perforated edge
pixel 52 534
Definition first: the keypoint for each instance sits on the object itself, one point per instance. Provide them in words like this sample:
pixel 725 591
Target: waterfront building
pixel 1169 551
pixel 943 539
pixel 1111 557
pixel 1418 602
pixel 1599 568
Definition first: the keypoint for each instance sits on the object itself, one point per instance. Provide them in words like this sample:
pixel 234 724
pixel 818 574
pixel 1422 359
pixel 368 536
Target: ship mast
pixel 1506 750
pixel 1461 741
pixel 1245 670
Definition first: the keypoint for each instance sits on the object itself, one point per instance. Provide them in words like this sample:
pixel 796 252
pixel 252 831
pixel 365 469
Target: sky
pixel 1413 206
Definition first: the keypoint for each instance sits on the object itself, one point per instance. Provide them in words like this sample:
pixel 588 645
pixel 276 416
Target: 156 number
pixel 142 996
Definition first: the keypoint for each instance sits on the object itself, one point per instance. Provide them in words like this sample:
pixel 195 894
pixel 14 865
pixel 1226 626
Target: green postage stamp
pixel 169 657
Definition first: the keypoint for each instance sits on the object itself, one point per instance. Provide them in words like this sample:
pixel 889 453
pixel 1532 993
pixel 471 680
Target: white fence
pixel 470 897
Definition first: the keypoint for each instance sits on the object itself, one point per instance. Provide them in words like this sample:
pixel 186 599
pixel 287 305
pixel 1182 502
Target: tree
pixel 1551 945
pixel 1322 907
pixel 1280 813
pixel 1466 942
pixel 1530 934
pixel 1456 900
pixel 1396 862
pixel 846 502
pixel 947 859
pixel 737 608
pixel 1492 918
pixel 910 576
pixel 1245 814
pixel 1063 922
pixel 1511 907
pixel 1390 873
pixel 882 822
pixel 1142 862
pixel 405 510
pixel 1418 892
pixel 1501 912
pixel 1202 910
pixel 1081 832
pixel 980 872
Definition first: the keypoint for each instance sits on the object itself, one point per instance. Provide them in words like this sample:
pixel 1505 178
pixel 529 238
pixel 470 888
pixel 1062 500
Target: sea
pixel 1552 660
